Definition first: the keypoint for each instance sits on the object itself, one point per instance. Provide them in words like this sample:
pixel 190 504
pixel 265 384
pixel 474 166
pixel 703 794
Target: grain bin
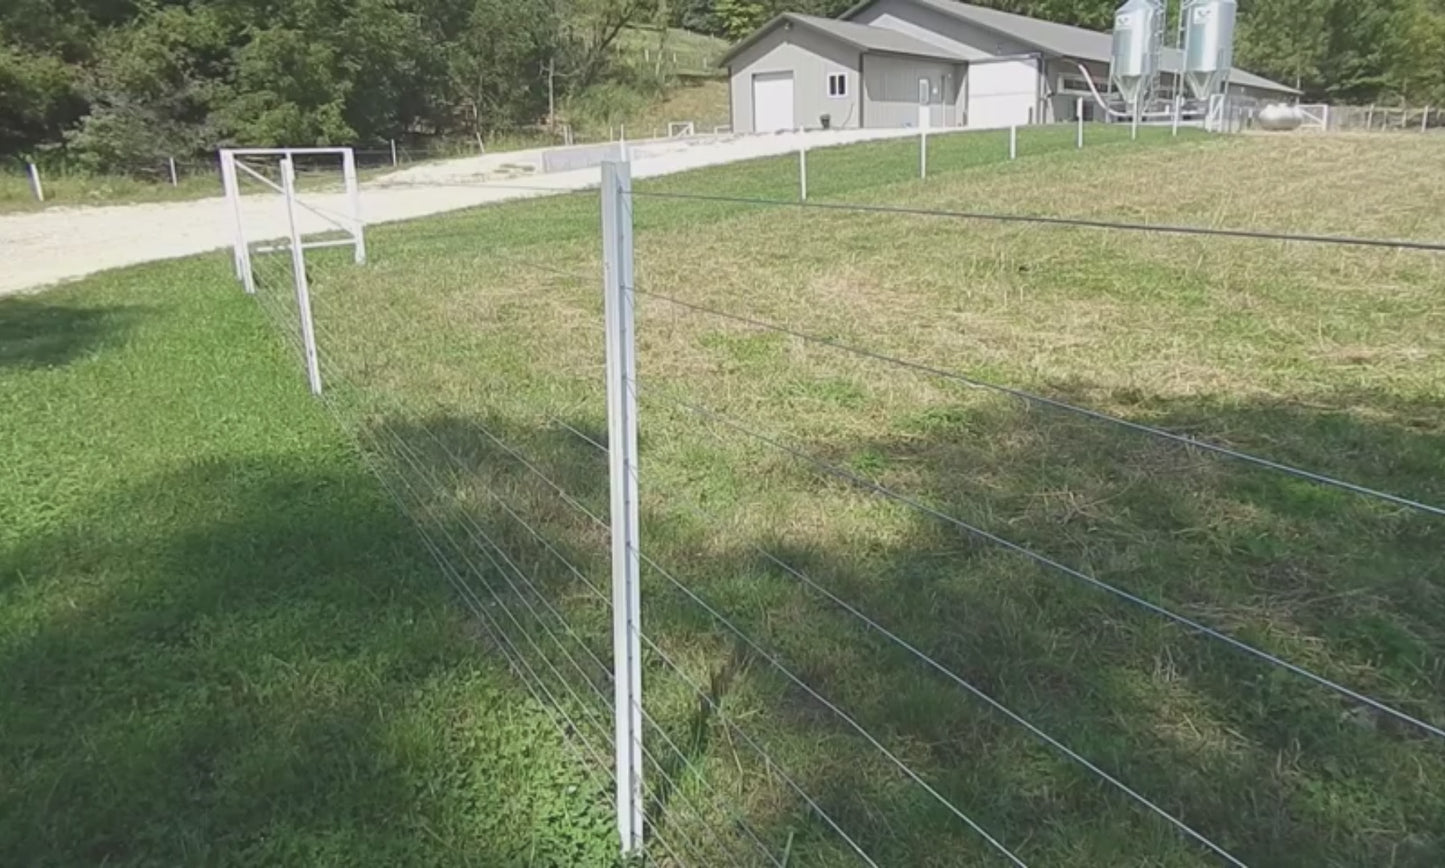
pixel 1208 45
pixel 1134 64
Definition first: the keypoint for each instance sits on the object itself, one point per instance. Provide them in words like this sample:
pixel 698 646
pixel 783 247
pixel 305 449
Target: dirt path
pixel 46 247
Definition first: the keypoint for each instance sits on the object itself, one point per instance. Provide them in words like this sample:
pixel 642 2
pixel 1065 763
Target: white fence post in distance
pixel 622 460
pixel 298 274
pixel 1013 143
pixel 1079 113
pixel 923 152
pixel 802 169
pixel 35 186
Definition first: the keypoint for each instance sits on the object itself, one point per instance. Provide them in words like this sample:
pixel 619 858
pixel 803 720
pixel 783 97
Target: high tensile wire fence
pixel 797 597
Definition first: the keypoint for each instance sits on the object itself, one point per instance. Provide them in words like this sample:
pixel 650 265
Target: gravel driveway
pixel 41 248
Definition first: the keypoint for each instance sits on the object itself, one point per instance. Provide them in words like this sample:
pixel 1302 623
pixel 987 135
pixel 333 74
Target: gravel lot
pixel 42 248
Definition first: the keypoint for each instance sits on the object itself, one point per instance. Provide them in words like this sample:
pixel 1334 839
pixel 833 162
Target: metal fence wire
pixel 737 681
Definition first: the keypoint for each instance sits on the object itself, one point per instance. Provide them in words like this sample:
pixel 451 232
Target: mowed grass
pixel 473 335
pixel 221 643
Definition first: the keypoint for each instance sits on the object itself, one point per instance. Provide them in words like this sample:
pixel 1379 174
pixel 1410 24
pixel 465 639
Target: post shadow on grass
pixel 281 679
pixel 1274 769
pixel 38 334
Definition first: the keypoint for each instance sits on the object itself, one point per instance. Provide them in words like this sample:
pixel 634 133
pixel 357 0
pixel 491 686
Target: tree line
pixel 1350 51
pixel 115 81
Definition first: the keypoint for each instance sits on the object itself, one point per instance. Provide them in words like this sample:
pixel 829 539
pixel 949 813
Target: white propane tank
pixel 1279 118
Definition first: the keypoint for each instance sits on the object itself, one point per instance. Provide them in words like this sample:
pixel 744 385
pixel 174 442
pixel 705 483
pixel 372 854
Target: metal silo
pixel 1138 33
pixel 1208 45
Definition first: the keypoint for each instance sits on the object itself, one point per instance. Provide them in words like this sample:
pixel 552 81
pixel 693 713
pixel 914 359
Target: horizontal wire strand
pixel 1043 560
pixel 998 706
pixel 1034 398
pixel 762 752
pixel 842 715
pixel 526 634
pixel 1079 222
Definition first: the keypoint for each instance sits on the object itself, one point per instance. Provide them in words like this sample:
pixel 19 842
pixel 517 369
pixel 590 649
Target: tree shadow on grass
pixel 253 662
pixel 37 334
pixel 1275 769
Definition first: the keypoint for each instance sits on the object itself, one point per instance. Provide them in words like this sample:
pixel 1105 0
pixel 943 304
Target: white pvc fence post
pixel 1079 112
pixel 175 182
pixel 35 187
pixel 622 457
pixel 393 153
pixel 353 196
pixel 1178 107
pixel 1425 120
pixel 1013 143
pixel 923 152
pixel 802 170
pixel 230 181
pixel 298 275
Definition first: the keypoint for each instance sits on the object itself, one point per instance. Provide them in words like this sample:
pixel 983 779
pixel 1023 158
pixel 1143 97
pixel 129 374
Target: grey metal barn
pixel 936 63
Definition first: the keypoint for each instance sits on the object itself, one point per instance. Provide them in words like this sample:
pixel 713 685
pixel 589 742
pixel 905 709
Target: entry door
pixel 772 102
pixel 925 100
pixel 1002 93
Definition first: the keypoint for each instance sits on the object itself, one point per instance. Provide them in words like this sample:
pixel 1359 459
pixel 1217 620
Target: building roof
pixel 1063 40
pixel 864 37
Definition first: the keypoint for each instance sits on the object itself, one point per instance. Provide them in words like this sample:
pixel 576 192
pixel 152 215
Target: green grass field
pixel 227 645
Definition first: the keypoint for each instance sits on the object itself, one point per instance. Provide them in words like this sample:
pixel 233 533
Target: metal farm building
pixel 935 63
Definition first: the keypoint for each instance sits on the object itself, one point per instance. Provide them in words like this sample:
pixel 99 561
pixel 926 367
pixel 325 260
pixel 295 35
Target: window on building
pixel 838 84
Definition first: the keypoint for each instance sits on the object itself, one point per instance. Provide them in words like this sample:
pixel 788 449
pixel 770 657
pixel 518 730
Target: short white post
pixel 1134 126
pixel 622 459
pixel 1013 143
pixel 353 196
pixel 35 187
pixel 1327 118
pixel 175 182
pixel 1079 113
pixel 1425 120
pixel 923 152
pixel 1370 117
pixel 1178 107
pixel 393 153
pixel 298 275
pixel 802 170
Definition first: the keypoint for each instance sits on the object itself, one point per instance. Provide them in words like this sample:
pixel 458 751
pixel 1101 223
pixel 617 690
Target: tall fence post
pixel 1079 113
pixel 923 152
pixel 298 274
pixel 353 196
pixel 35 187
pixel 1013 143
pixel 175 181
pixel 802 169
pixel 622 459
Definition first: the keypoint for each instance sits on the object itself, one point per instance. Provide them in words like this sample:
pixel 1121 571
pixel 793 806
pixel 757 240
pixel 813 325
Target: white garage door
pixel 1002 93
pixel 772 102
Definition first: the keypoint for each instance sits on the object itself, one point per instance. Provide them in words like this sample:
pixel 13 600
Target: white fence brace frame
pixel 352 225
